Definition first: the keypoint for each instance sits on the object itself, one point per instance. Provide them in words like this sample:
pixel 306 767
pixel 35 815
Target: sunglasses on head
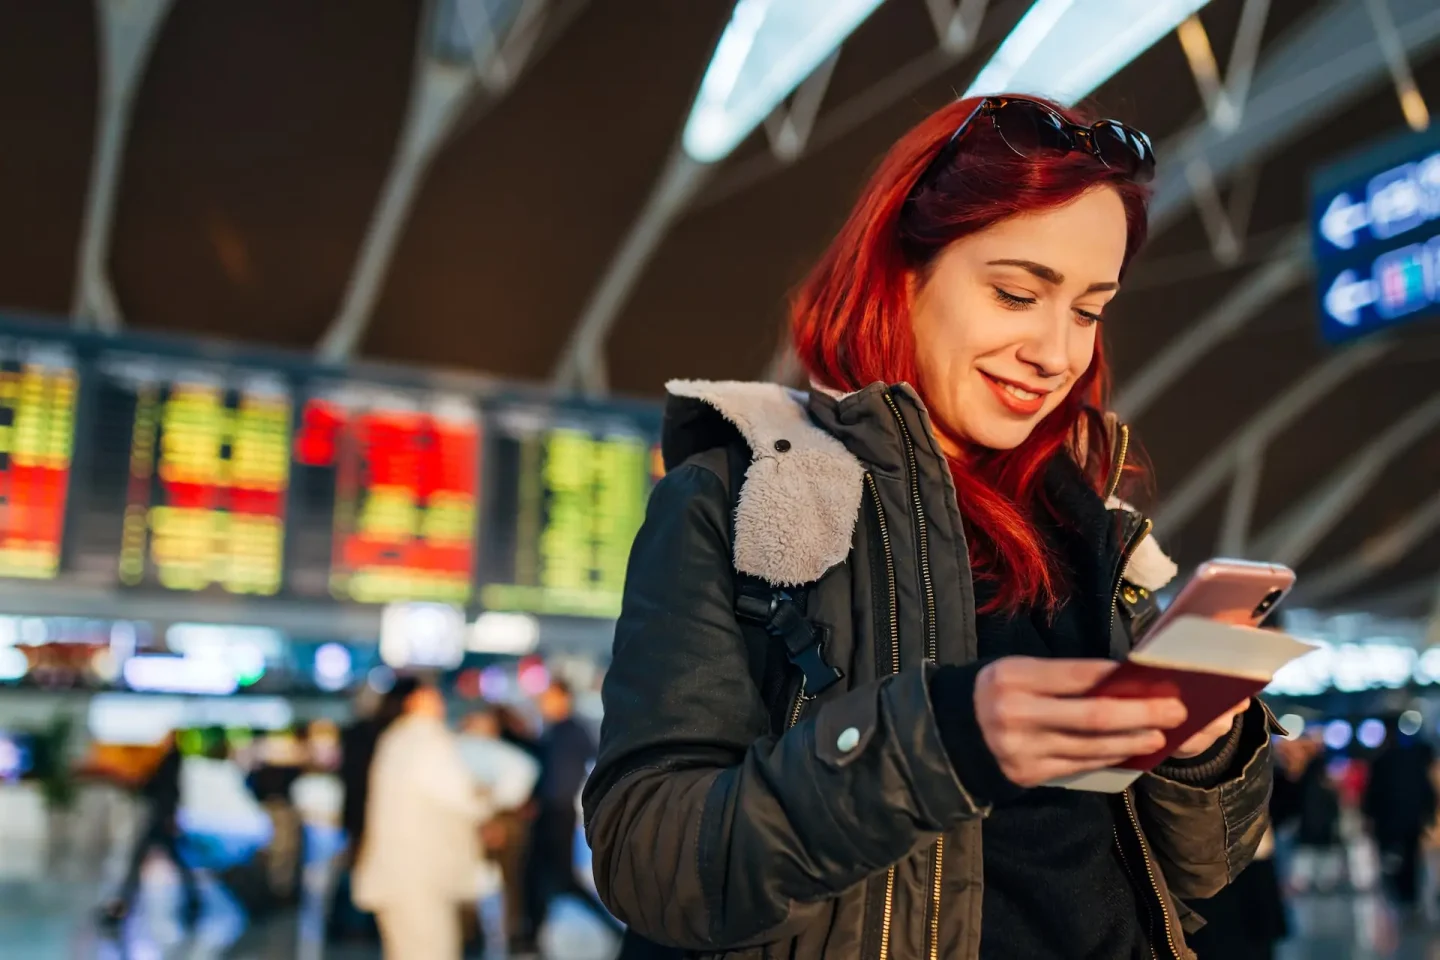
pixel 1032 129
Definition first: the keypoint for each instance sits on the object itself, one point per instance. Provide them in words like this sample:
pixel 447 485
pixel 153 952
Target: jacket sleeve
pixel 709 833
pixel 1203 837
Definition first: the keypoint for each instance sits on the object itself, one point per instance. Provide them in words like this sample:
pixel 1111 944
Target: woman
pixel 962 567
pixel 419 868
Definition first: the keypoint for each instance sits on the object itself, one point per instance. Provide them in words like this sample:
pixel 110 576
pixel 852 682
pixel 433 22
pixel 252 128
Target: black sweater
pixel 1055 885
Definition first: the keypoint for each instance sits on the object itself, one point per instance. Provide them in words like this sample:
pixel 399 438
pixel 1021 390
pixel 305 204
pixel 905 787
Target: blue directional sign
pixel 1375 229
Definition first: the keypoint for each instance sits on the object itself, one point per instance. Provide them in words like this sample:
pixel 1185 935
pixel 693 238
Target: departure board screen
pixel 566 496
pixel 38 387
pixel 203 476
pixel 386 483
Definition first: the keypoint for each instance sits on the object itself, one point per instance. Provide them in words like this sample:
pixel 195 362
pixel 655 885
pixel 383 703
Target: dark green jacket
pixel 714 834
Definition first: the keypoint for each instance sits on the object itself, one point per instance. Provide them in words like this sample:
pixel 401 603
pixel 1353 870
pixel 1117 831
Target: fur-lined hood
pixel 796 513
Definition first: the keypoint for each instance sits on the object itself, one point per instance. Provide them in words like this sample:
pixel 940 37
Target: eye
pixel 1013 301
pixel 1087 318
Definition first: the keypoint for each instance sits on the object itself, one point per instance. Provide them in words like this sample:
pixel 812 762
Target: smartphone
pixel 1240 592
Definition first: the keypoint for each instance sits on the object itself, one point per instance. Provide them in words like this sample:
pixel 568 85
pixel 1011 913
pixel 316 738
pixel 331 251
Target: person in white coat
pixel 419 864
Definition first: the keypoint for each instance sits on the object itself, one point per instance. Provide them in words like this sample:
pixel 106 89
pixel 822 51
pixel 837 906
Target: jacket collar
pixel 795 515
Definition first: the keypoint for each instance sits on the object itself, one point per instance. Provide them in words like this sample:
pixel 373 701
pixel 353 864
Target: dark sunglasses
pixel 1032 129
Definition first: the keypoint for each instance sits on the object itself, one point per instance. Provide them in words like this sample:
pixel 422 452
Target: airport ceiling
pixel 263 130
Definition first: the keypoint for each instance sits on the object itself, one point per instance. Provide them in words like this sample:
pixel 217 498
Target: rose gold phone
pixel 1230 591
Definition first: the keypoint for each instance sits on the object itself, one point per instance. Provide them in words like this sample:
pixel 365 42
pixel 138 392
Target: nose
pixel 1046 348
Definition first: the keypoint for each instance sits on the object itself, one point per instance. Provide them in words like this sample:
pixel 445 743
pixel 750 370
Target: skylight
pixel 766 51
pixel 1065 49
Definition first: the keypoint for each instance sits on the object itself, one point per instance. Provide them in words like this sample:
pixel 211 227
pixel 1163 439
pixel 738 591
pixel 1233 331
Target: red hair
pixel 850 323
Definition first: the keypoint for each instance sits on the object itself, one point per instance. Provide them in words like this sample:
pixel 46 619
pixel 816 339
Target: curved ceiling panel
pixel 522 211
pixel 261 136
pixel 48 90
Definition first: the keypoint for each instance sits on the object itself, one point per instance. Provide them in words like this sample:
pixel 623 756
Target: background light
pixel 495 684
pixel 13 664
pixel 333 664
pixel 1065 49
pixel 422 635
pixel 532 677
pixel 767 49
pixel 1410 722
pixel 163 674
pixel 1371 733
pixel 1338 734
pixel 515 634
pixel 381 679
pixel 1294 725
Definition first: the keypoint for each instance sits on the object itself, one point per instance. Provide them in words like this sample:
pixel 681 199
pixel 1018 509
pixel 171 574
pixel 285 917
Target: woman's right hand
pixel 1039 725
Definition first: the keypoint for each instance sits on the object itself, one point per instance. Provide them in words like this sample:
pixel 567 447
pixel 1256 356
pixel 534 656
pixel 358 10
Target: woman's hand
pixel 1217 728
pixel 1038 725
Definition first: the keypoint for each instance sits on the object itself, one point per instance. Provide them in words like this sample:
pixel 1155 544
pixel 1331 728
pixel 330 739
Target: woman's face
pixel 1006 319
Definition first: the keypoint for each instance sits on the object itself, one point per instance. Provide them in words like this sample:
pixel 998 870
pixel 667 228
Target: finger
pixel 1100 714
pixel 1053 677
pixel 1044 771
pixel 1107 747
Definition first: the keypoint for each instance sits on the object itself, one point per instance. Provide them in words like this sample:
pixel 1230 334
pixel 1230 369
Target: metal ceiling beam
pixel 1240 507
pixel 1374 556
pixel 793 129
pixel 582 364
pixel 1288 268
pixel 1412 102
pixel 1432 631
pixel 441 91
pixel 1291 538
pixel 1313 72
pixel 128 29
pixel 973 24
pixel 1257 433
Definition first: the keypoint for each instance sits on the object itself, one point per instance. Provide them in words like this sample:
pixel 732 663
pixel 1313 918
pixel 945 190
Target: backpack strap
pixel 780 612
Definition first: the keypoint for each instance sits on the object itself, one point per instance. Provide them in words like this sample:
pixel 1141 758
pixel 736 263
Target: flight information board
pixel 205 472
pixel 566 495
pixel 137 464
pixel 387 484
pixel 1375 233
pixel 38 387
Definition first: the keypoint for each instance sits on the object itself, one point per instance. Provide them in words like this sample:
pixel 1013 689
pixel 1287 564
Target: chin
pixel 1006 436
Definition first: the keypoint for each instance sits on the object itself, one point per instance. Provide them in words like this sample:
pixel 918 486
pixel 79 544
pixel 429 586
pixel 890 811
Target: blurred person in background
pixel 1399 806
pixel 375 712
pixel 1247 919
pixel 862 771
pixel 418 869
pixel 566 750
pixel 1430 851
pixel 159 830
pixel 506 775
pixel 1306 797
pixel 281 761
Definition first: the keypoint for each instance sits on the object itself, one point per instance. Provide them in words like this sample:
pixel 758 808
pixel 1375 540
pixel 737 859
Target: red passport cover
pixel 1205 695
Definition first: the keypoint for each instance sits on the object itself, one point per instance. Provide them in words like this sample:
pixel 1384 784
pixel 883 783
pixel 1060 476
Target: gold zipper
pixel 932 647
pixel 1149 873
pixel 1149 922
pixel 799 702
pixel 887 915
pixel 931 629
pixel 1125 554
pixel 1119 467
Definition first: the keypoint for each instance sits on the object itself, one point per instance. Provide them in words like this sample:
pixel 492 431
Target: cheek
pixel 1082 351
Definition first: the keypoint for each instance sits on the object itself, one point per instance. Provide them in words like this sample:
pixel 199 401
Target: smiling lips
pixel 1017 399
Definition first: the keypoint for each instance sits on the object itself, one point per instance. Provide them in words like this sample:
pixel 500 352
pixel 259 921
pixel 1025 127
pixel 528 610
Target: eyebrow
pixel 1050 275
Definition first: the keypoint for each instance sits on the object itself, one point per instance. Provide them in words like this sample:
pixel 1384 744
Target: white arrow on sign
pixel 1342 220
pixel 1348 295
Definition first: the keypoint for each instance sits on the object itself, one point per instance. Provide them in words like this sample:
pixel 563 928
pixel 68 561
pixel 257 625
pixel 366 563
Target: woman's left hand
pixel 1216 729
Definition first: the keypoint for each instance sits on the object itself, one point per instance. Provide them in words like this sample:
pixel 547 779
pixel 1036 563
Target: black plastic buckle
pixel 803 644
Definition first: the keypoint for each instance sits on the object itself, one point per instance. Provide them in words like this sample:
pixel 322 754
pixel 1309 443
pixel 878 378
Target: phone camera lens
pixel 1271 598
